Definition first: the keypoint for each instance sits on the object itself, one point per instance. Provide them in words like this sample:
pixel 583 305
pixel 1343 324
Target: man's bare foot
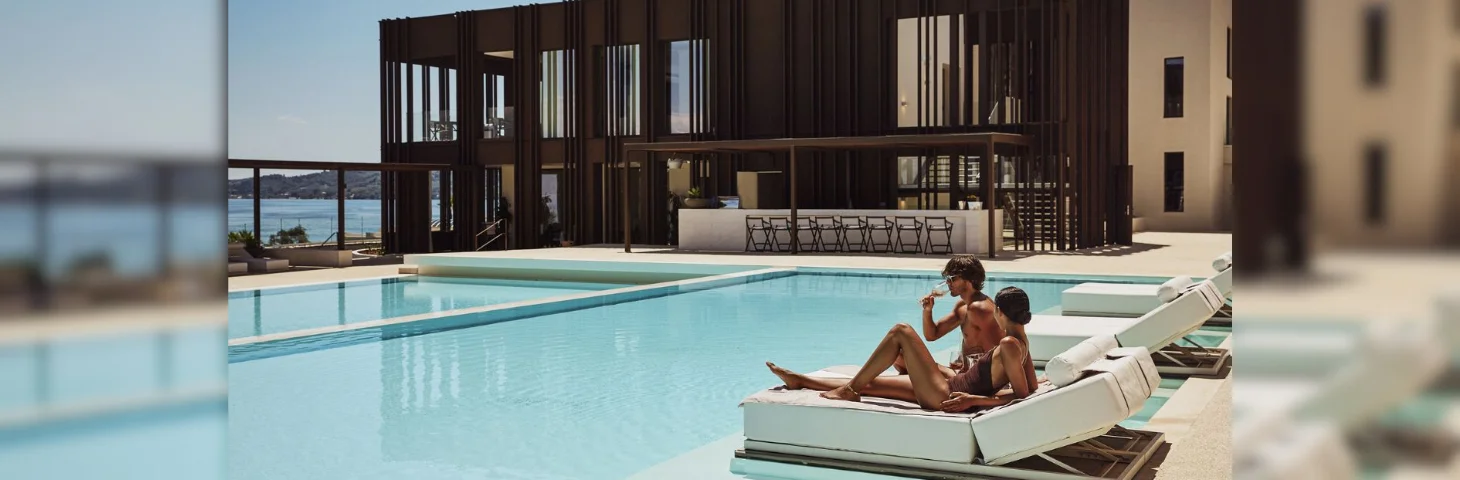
pixel 792 379
pixel 841 393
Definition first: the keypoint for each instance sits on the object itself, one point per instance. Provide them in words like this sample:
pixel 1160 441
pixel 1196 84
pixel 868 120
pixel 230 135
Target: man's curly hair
pixel 966 267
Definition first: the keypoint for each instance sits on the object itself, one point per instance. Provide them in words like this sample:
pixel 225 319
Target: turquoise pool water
pixel 171 441
pixel 609 391
pixel 275 310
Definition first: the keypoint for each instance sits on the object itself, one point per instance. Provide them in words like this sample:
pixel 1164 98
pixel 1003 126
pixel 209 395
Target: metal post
pixel 256 218
pixel 795 235
pixel 988 190
pixel 164 227
pixel 627 222
pixel 340 204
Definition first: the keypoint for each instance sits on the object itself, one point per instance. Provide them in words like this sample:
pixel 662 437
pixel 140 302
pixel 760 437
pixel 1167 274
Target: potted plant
pixel 974 203
pixel 695 198
pixel 246 239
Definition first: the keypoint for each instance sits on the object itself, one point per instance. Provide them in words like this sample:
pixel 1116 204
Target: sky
pixel 105 76
pixel 304 75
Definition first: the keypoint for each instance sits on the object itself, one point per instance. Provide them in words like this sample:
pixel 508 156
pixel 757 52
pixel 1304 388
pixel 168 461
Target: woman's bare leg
pixel 1008 366
pixel 929 384
pixel 897 387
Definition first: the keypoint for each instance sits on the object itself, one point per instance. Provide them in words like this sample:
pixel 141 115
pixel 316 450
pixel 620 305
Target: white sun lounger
pixel 1158 330
pixel 1276 447
pixel 256 264
pixel 1317 386
pixel 1067 429
pixel 1343 374
pixel 1097 299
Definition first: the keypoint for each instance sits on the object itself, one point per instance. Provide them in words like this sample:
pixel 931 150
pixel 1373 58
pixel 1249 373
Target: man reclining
pixel 972 315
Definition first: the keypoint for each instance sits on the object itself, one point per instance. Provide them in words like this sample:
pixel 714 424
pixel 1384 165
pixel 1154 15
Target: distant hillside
pixel 358 185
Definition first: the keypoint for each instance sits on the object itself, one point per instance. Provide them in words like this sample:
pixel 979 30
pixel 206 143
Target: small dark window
pixel 1229 53
pixel 1229 121
pixel 1375 20
pixel 1175 182
pixel 1455 96
pixel 1374 195
pixel 1175 79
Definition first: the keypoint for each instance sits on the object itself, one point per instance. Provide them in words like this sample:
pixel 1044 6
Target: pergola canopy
pixel 829 143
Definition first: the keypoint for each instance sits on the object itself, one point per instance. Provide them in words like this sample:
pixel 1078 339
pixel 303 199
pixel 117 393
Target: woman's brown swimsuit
pixel 978 379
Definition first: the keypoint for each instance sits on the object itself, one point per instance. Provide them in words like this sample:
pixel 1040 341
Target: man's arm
pixel 932 331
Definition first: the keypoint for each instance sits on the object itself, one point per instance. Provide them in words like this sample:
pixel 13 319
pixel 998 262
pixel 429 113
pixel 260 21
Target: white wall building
pixel 1180 91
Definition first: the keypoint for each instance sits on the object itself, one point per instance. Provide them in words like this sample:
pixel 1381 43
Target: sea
pixel 133 239
pixel 320 218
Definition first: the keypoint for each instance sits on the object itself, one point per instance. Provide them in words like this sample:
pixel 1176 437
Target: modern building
pixel 1348 115
pixel 1180 114
pixel 536 103
pixel 1379 121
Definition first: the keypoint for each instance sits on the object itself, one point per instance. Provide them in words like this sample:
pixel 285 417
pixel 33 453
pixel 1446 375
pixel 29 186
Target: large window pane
pixel 687 94
pixel 621 82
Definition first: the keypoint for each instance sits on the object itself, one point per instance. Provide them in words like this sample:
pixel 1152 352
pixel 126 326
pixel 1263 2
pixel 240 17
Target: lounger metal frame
pixel 1117 454
pixel 1223 318
pixel 1175 359
pixel 1182 361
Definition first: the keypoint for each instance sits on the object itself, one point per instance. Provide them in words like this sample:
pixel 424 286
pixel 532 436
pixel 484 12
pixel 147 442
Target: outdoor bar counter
pixel 724 229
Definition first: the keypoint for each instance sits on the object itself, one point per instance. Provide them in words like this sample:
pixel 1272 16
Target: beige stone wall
pixel 1408 114
pixel 1197 31
pixel 1219 170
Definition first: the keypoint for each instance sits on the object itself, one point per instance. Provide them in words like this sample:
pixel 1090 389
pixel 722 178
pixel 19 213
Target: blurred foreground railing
pixel 95 231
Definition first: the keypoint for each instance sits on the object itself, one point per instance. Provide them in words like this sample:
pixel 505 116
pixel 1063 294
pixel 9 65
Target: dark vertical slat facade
pixel 770 69
pixel 1268 155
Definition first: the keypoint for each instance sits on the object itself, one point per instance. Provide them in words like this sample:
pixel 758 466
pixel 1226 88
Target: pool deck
pixel 1196 419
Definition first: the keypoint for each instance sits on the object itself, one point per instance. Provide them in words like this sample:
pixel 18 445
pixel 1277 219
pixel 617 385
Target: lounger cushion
pixel 1135 374
pixel 1223 281
pixel 1170 289
pixel 1222 262
pixel 1110 299
pixel 1050 335
pixel 1069 366
pixel 1147 363
pixel 1050 418
pixel 1067 414
pixel 1120 299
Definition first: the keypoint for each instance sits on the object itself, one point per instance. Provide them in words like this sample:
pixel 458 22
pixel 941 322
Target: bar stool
pixel 778 225
pixel 805 226
pixel 858 225
pixel 909 224
pixel 821 225
pixel 939 225
pixel 879 224
pixel 754 225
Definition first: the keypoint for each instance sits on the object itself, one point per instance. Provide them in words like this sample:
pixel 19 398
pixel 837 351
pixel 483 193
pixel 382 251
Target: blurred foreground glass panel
pixel 112 342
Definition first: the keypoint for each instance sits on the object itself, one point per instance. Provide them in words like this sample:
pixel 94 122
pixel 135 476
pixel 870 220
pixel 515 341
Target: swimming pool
pixel 267 311
pixel 141 403
pixel 610 391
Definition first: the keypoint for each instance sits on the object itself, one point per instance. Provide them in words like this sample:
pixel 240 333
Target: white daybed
pixel 1317 387
pixel 1157 330
pixel 1097 299
pixel 254 264
pixel 1067 429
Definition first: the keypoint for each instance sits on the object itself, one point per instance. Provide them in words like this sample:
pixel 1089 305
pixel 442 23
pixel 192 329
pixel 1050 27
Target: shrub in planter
pixel 695 198
pixel 250 243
